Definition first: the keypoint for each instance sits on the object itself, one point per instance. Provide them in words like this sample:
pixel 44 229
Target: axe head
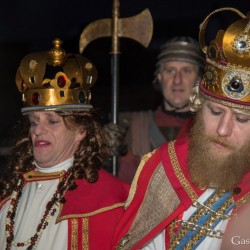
pixel 93 31
pixel 138 28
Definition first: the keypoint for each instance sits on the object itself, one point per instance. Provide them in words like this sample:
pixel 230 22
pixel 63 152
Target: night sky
pixel 29 26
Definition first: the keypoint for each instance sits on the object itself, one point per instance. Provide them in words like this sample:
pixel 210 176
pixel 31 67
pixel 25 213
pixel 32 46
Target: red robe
pixel 162 190
pixel 92 210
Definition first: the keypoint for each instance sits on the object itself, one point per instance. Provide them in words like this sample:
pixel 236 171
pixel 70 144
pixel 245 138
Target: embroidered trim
pixel 242 200
pixel 36 176
pixel 178 172
pixel 135 180
pixel 74 235
pixel 74 216
pixel 152 210
pixel 226 103
pixel 85 233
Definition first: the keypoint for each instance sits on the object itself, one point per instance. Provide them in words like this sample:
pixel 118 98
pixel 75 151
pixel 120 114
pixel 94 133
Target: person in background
pixel 186 192
pixel 179 66
pixel 56 194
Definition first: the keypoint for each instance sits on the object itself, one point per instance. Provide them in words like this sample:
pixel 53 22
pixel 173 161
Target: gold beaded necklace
pixel 48 214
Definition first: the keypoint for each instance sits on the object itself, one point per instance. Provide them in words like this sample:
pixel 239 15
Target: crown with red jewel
pixel 227 70
pixel 54 80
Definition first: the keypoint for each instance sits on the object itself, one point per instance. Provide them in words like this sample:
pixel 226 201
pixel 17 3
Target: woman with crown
pixel 56 195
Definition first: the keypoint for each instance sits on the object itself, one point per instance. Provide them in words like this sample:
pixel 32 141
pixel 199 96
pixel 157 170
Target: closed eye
pixel 242 120
pixel 52 122
pixel 33 123
pixel 214 112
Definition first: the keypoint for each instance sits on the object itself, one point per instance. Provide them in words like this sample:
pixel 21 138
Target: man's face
pixel 228 130
pixel 52 141
pixel 176 80
pixel 218 154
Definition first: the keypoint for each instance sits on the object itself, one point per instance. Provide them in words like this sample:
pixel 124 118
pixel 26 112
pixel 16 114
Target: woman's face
pixel 52 141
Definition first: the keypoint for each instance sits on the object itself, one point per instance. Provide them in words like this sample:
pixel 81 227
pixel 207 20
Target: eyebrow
pixel 51 114
pixel 237 113
pixel 47 114
pixel 215 107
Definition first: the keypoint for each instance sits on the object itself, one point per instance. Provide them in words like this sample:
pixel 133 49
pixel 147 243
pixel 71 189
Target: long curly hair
pixel 88 158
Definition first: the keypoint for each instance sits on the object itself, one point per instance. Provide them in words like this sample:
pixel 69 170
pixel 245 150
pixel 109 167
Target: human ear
pixel 159 77
pixel 80 135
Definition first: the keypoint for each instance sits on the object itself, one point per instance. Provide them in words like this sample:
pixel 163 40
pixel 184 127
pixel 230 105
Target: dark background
pixel 28 26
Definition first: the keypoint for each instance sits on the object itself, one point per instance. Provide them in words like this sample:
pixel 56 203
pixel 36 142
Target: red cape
pixel 177 174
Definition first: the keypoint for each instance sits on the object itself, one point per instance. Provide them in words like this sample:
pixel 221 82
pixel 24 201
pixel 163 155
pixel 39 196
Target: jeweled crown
pixel 54 80
pixel 227 70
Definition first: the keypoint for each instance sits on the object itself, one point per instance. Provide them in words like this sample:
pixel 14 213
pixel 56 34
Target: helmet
pixel 184 49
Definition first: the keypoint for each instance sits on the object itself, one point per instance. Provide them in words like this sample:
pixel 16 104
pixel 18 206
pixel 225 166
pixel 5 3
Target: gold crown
pixel 54 80
pixel 227 70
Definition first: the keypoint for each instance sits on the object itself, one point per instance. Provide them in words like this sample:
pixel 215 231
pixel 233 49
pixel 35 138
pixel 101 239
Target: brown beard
pixel 209 170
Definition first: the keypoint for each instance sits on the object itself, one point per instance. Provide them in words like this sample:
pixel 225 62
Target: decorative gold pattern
pixel 153 210
pixel 238 43
pixel 137 174
pixel 178 172
pixel 98 211
pixel 191 224
pixel 243 80
pixel 85 233
pixel 36 176
pixel 242 200
pixel 211 78
pixel 222 76
pixel 229 54
pixel 74 236
pixel 57 54
pixel 226 103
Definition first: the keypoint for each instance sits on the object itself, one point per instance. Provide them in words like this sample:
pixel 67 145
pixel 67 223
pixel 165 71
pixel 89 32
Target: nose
pixel 177 77
pixel 225 125
pixel 40 129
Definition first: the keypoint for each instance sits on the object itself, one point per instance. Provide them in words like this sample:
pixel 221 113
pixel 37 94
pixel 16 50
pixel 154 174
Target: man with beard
pixel 185 192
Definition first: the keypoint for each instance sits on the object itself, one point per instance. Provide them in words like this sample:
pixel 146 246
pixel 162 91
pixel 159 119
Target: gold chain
pixel 191 225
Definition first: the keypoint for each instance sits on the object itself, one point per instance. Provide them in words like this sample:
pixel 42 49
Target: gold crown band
pixel 224 102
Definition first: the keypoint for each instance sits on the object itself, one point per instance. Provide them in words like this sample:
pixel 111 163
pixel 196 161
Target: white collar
pixel 65 165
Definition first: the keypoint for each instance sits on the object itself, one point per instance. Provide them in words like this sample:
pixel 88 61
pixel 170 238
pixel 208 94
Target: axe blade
pixel 95 30
pixel 138 27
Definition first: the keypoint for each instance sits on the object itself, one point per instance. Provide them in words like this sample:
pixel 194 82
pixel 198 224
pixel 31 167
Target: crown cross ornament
pixel 54 80
pixel 227 73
